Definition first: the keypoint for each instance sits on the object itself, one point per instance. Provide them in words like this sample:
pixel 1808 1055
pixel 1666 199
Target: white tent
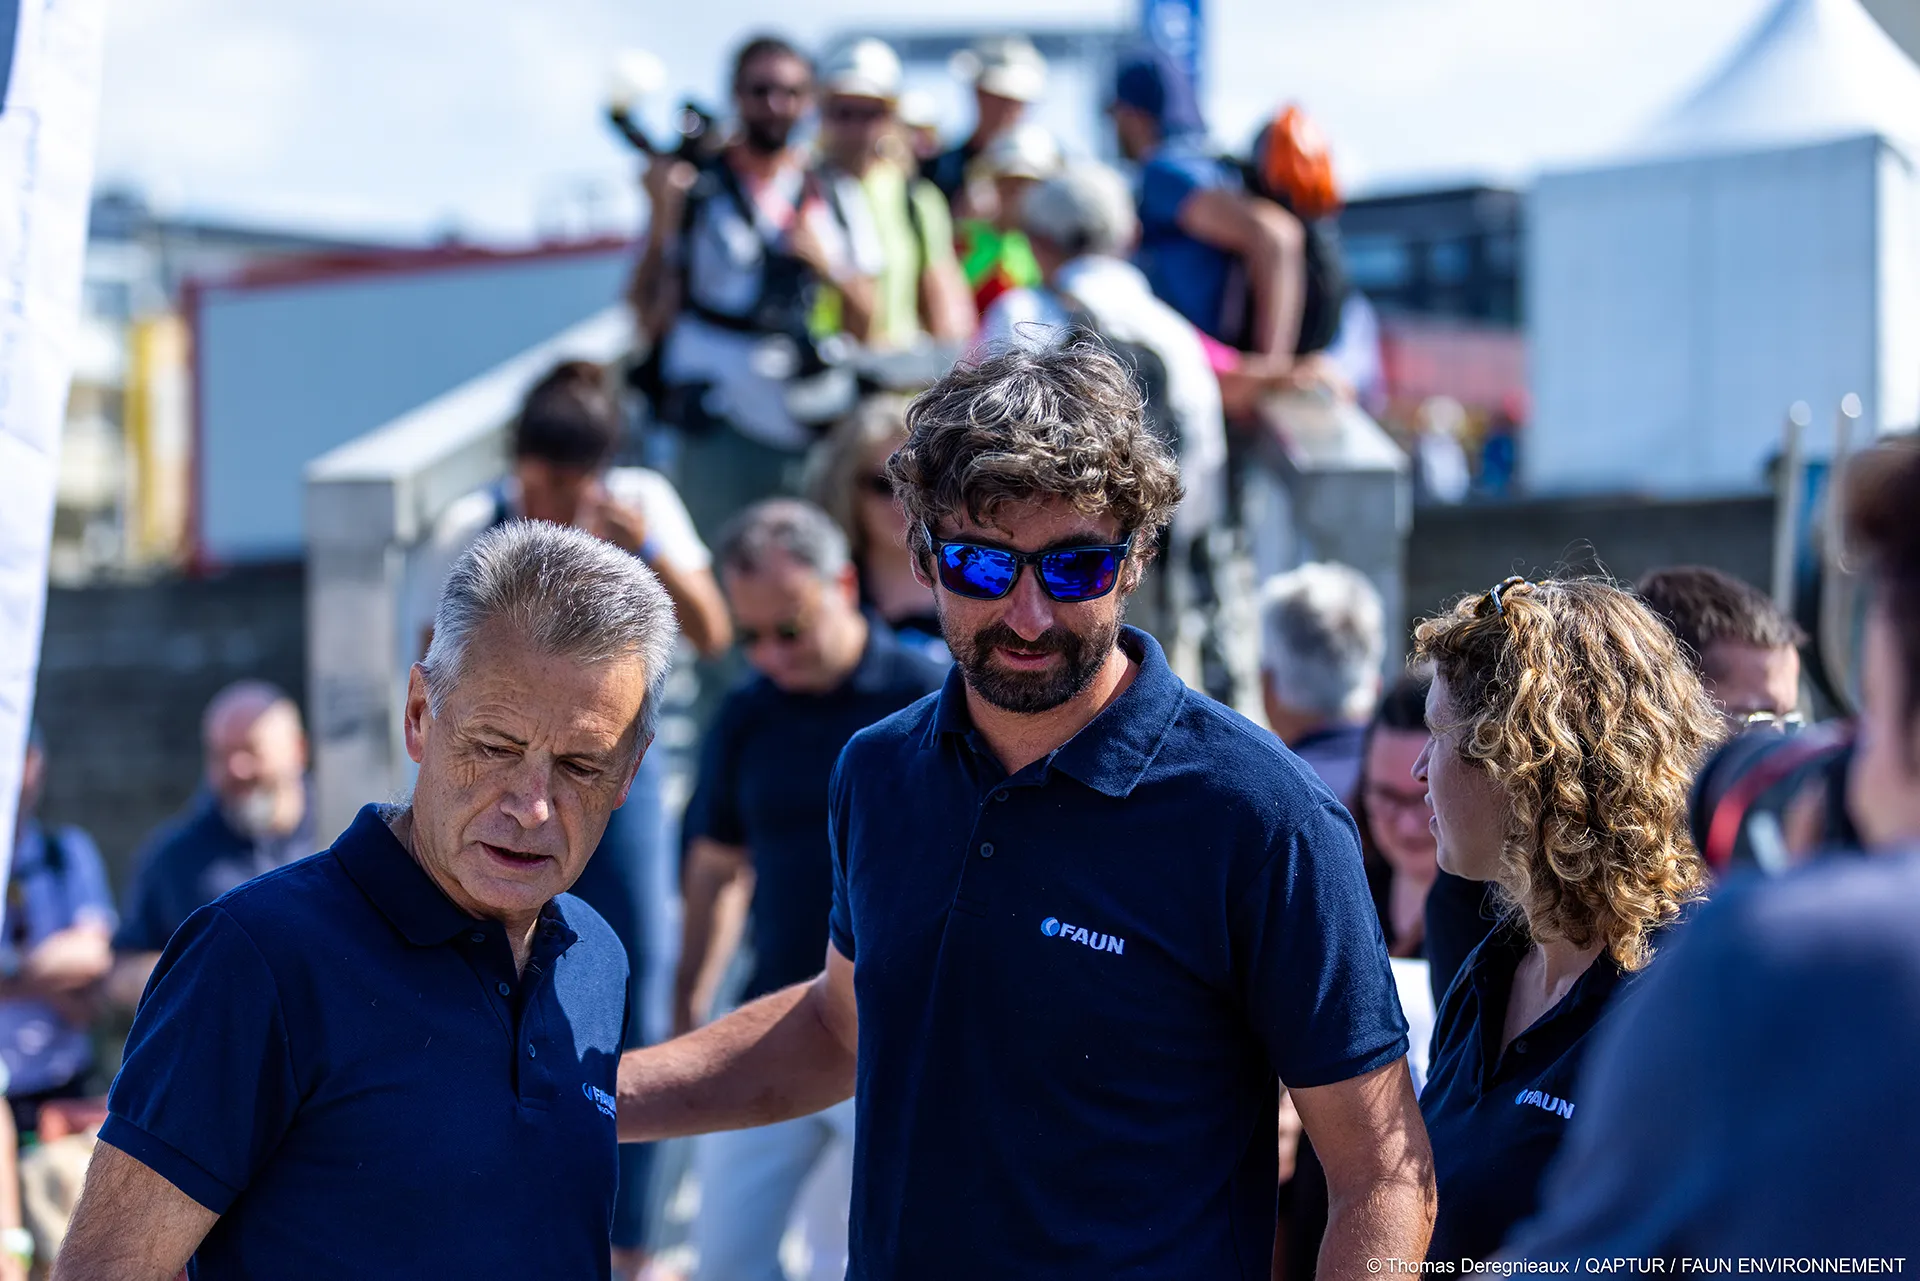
pixel 1760 245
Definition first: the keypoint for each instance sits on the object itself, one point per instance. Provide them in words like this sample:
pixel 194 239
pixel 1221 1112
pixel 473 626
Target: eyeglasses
pixel 878 486
pixel 784 633
pixel 1069 575
pixel 1791 723
pixel 1383 799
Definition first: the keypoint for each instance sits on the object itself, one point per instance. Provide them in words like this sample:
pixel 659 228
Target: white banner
pixel 47 129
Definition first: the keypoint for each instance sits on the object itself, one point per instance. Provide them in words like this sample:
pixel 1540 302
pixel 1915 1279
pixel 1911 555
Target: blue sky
pixel 405 117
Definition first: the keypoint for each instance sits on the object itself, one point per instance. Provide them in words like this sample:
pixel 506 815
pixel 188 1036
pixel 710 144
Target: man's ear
pixel 633 772
pixel 418 713
pixel 848 581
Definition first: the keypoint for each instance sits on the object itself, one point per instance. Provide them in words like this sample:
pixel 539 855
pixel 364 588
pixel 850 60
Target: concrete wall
pixel 1468 549
pixel 124 674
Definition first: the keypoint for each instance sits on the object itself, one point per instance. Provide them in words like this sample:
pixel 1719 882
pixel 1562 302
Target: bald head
pixel 256 754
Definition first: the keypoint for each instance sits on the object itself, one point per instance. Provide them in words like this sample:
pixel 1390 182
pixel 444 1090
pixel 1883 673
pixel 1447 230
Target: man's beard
pixel 1082 657
pixel 766 137
pixel 252 813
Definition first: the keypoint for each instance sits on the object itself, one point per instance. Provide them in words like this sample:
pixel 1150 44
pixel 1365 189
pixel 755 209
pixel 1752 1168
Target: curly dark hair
pixel 1580 704
pixel 1066 421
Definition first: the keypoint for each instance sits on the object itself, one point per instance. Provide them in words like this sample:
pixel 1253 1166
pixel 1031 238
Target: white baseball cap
pixel 866 68
pixel 1025 151
pixel 1009 67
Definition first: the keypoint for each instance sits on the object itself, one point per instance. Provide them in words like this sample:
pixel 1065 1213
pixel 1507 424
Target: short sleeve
pixel 1311 961
pixel 714 812
pixel 1165 184
pixel 669 525
pixel 207 1088
pixel 839 805
pixel 89 900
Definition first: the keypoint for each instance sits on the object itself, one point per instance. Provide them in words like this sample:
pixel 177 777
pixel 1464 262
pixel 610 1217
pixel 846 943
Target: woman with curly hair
pixel 1566 726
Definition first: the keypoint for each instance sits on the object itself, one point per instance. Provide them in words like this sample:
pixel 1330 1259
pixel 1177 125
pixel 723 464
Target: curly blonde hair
pixel 1583 708
pixel 837 466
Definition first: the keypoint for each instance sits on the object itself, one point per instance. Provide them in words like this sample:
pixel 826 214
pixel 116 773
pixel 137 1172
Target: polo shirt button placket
pixel 986 849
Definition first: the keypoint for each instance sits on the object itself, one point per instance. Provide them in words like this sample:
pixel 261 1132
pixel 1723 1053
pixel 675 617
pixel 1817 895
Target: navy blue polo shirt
pixel 192 861
pixel 1755 1098
pixel 1078 984
pixel 1497 1118
pixel 763 785
pixel 348 1070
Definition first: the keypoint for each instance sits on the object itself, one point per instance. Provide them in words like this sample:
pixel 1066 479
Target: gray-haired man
pixel 396 1058
pixel 757 827
pixel 1322 641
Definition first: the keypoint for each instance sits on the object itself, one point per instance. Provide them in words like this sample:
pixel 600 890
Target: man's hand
pixel 805 243
pixel 604 516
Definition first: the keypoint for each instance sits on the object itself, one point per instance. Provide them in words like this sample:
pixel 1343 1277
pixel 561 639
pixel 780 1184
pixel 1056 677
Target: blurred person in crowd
pixel 757 832
pixel 725 288
pixel 562 443
pixel 1081 226
pixel 1199 224
pixel 1500 448
pixel 1803 988
pixel 1390 809
pixel 1441 473
pixel 56 945
pixel 252 817
pixel 849 481
pixel 1746 651
pixel 396 1058
pixel 1566 726
pixel 1323 639
pixel 897 226
pixel 1009 75
pixel 1012 965
pixel 994 252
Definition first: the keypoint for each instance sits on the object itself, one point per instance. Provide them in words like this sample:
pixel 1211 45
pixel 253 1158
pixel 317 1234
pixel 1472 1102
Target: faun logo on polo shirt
pixel 1054 927
pixel 1541 1099
pixel 601 1099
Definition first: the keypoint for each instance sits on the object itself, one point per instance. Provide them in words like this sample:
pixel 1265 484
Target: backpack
pixel 1326 269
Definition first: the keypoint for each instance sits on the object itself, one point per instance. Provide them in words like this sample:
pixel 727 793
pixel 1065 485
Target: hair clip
pixel 1505 584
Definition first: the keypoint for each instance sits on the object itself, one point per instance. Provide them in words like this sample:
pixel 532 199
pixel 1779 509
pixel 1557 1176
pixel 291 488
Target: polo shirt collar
pixel 395 883
pixel 1115 749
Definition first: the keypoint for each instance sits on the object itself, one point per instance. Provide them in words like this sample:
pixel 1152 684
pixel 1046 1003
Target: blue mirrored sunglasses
pixel 1067 574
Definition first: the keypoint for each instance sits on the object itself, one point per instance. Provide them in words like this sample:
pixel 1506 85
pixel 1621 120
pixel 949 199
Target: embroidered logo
pixel 1054 927
pixel 601 1099
pixel 1540 1099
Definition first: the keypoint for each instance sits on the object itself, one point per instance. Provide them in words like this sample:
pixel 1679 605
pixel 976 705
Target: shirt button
pixel 476 937
pixel 986 849
pixel 505 990
pixel 532 1053
pixel 1520 1047
pixel 1000 795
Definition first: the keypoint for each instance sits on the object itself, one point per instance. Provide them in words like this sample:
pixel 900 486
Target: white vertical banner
pixel 48 119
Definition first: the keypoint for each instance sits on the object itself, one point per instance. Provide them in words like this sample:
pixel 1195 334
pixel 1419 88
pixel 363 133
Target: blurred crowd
pixel 1521 793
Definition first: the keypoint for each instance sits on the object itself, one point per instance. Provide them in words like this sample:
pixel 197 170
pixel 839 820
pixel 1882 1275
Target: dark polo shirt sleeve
pixel 840 919
pixel 211 1042
pixel 1322 999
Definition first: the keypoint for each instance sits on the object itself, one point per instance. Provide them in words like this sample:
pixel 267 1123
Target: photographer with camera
pixel 739 243
pixel 1789 1015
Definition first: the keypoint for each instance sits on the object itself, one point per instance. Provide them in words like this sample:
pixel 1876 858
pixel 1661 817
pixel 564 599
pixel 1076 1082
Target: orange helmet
pixel 1295 161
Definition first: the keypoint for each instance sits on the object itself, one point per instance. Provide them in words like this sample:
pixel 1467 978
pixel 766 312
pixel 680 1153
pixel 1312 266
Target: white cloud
pixel 392 115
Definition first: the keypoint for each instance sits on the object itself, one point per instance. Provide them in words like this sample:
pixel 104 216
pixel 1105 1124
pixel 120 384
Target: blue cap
pixel 1150 81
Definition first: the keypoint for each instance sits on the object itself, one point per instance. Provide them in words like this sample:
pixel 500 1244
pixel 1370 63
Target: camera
pixel 1768 800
